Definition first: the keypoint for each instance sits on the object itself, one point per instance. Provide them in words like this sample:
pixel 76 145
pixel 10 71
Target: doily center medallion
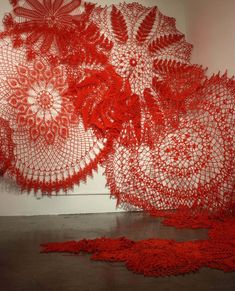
pixel 38 95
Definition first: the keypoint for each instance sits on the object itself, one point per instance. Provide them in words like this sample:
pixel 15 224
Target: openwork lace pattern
pixel 150 257
pixel 6 146
pixel 191 164
pixel 52 148
pixel 83 85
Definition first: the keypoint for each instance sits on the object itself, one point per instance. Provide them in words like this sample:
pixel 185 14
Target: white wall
pixel 210 26
pixel 92 196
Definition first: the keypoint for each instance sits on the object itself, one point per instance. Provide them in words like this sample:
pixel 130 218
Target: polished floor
pixel 23 268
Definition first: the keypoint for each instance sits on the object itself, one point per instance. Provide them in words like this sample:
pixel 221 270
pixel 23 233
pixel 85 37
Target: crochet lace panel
pixel 83 85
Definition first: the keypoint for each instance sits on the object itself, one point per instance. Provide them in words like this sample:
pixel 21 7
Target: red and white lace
pixel 82 85
pixel 52 149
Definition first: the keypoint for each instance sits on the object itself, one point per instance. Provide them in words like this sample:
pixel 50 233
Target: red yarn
pixel 82 85
pixel 6 146
pixel 44 26
pixel 52 150
pixel 140 37
pixel 191 164
pixel 151 257
pixel 105 103
pixel 79 81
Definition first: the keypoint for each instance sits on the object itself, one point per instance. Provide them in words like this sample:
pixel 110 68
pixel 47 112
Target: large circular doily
pixel 52 149
pixel 140 36
pixel 191 165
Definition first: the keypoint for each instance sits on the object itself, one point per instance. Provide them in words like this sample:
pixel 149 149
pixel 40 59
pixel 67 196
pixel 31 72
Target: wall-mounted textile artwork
pixel 84 85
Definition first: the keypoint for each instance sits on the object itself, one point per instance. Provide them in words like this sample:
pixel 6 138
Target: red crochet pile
pixel 83 85
pixel 150 257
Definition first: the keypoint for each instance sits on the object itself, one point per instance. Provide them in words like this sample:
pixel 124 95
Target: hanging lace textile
pixel 84 85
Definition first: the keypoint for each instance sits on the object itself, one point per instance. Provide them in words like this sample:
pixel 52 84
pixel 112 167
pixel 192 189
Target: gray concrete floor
pixel 23 268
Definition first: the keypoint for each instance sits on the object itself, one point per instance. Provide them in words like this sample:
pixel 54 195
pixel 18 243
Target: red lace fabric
pixel 52 149
pixel 107 99
pixel 167 99
pixel 80 76
pixel 44 27
pixel 150 257
pixel 105 103
pixel 140 36
pixel 6 146
pixel 190 164
pixel 83 84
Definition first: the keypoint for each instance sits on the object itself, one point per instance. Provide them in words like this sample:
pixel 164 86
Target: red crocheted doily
pixel 140 36
pixel 80 80
pixel 191 164
pixel 47 27
pixel 83 84
pixel 52 148
pixel 150 257
pixel 105 102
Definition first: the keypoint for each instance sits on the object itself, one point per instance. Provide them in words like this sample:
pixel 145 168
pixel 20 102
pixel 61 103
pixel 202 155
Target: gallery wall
pixel 208 24
pixel 210 27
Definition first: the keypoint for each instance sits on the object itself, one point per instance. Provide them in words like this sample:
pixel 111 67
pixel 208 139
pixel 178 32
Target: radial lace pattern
pixel 191 165
pixel 47 27
pixel 82 85
pixel 78 79
pixel 140 36
pixel 52 149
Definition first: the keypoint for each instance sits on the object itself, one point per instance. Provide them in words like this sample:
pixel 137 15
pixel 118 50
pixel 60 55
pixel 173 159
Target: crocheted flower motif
pixel 38 96
pixel 105 102
pixel 191 165
pixel 53 13
pixel 6 146
pixel 52 149
pixel 140 35
pixel 45 26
